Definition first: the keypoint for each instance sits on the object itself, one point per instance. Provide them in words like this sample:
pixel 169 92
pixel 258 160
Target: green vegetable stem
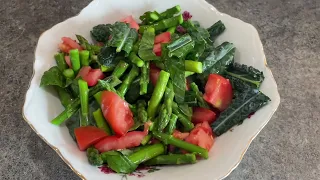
pixel 134 72
pixel 170 12
pixel 199 95
pixel 84 57
pixel 101 122
pixel 75 60
pixel 182 118
pixel 84 99
pixel 146 153
pixel 193 66
pixel 163 24
pixel 135 59
pixel 144 80
pixel 61 62
pixel 120 69
pixel 141 110
pixel 172 159
pixel 172 123
pixel 158 93
pixel 68 73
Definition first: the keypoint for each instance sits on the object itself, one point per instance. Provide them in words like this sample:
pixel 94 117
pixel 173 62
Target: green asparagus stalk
pixel 68 73
pixel 75 104
pixel 144 80
pixel 146 153
pixel 199 95
pixel 84 100
pixel 64 96
pixel 135 59
pixel 158 93
pixel 193 66
pixel 141 110
pixel 188 73
pixel 61 62
pixel 149 17
pixel 84 58
pixel 167 111
pixel 75 60
pixel 101 122
pixel 169 139
pixel 134 72
pixel 162 120
pixel 172 159
pixel 97 97
pixel 172 123
pixel 170 12
pixel 172 30
pixel 187 124
pixel 163 24
pixel 146 139
pixel 120 69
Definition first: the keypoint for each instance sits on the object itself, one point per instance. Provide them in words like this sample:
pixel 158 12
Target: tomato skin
pixel 202 114
pixel 117 112
pixel 164 37
pixel 71 43
pixel 91 76
pixel 154 74
pixel 64 48
pixel 88 135
pixel 129 140
pixel 157 49
pixel 200 136
pixel 131 21
pixel 180 135
pixel 218 92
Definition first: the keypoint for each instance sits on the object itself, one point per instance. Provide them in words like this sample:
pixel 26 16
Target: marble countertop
pixel 287 148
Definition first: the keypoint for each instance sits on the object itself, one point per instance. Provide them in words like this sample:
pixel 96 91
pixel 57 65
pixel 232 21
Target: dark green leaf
pixel 107 57
pixel 191 98
pixel 53 77
pixel 101 32
pixel 246 103
pixel 133 92
pixel 219 59
pixel 249 75
pixel 122 37
pixel 146 46
pixel 215 30
pixel 118 162
pixel 186 110
pixel 72 123
pixel 181 47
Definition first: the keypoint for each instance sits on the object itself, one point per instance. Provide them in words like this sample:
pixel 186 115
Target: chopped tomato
pixel 180 135
pixel 162 38
pixel 154 74
pixel 157 49
pixel 218 92
pixel 64 48
pixel 202 114
pixel 117 112
pixel 132 22
pixel 88 135
pixel 129 140
pixel 68 61
pixel 91 76
pixel 200 136
pixel 71 43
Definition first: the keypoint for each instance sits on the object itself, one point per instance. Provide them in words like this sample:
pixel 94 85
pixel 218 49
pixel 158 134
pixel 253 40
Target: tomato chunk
pixel 71 43
pixel 218 92
pixel 130 140
pixel 164 37
pixel 132 22
pixel 201 137
pixel 202 114
pixel 154 73
pixel 88 135
pixel 91 76
pixel 180 135
pixel 157 49
pixel 117 112
pixel 64 48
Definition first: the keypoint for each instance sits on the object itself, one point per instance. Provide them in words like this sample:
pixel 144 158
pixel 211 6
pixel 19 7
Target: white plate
pixel 41 105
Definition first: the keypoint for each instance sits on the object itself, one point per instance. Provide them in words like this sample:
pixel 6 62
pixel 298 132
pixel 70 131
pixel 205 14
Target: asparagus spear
pixel 68 73
pixel 141 110
pixel 144 80
pixel 182 118
pixel 172 159
pixel 120 69
pixel 101 122
pixel 158 93
pixel 162 120
pixel 164 24
pixel 172 30
pixel 135 59
pixel 84 57
pixel 128 80
pixel 75 104
pixel 146 139
pixel 188 73
pixel 61 62
pixel 199 96
pixel 193 66
pixel 149 17
pixel 167 111
pixel 146 153
pixel 84 100
pixel 172 123
pixel 75 60
pixel 97 96
pixel 170 12
pixel 169 139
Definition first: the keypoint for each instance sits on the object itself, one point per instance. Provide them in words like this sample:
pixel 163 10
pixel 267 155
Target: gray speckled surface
pixel 287 148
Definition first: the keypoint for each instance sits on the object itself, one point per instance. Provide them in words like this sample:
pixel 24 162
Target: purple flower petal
pixel 181 29
pixel 186 15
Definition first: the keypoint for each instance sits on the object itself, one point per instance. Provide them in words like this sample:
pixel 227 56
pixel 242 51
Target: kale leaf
pixel 101 32
pixel 215 30
pixel 118 162
pixel 146 46
pixel 53 77
pixel 181 46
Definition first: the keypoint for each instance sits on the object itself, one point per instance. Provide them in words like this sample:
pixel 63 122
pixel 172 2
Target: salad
pixel 152 93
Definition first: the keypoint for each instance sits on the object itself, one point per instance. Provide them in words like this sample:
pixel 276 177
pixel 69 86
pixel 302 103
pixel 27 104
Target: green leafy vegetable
pixel 146 45
pixel 107 58
pixel 53 77
pixel 93 49
pixel 94 157
pixel 149 17
pixel 168 13
pixel 101 32
pixel 181 47
pixel 191 99
pixel 163 24
pixel 247 102
pixel 122 37
pixel 215 30
pixel 118 162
